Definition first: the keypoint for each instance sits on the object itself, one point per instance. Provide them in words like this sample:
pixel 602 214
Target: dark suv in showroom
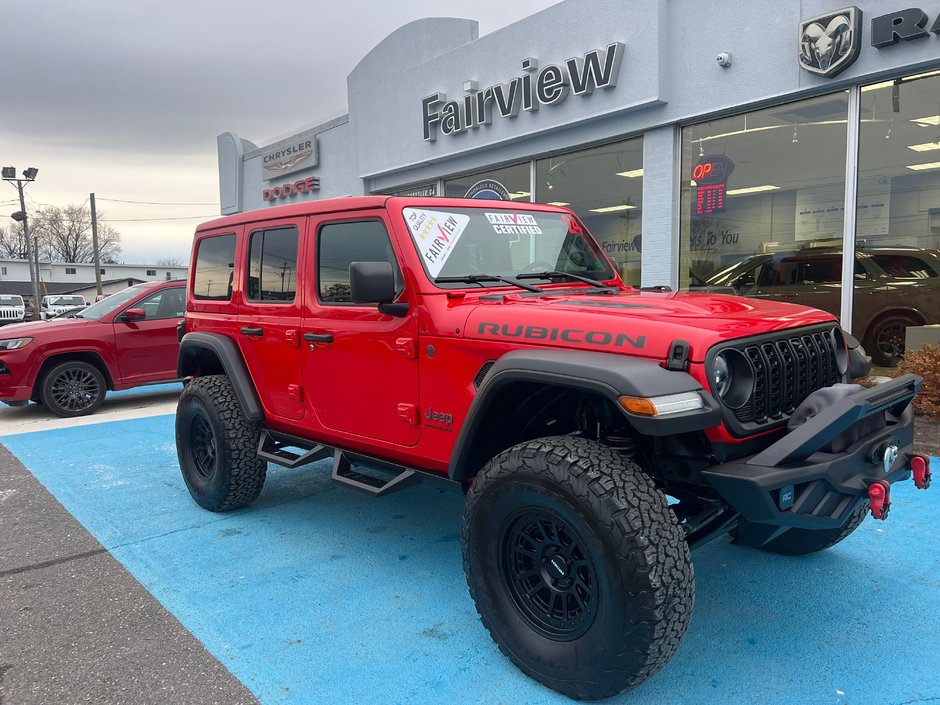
pixel 895 287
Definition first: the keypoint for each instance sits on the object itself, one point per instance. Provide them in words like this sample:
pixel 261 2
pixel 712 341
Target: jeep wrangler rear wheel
pixel 577 566
pixel 217 446
pixel 799 542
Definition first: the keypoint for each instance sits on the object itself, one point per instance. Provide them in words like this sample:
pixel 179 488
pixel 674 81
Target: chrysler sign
pixel 549 85
pixel 284 158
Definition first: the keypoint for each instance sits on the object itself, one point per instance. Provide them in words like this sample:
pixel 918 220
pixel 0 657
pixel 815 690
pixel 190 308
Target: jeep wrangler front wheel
pixel 217 446
pixel 577 566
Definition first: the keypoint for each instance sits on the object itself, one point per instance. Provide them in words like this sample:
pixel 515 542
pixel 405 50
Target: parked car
pixel 12 309
pixel 600 432
pixel 69 363
pixel 54 304
pixel 895 287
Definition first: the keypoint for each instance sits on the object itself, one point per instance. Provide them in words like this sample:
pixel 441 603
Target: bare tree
pixel 13 242
pixel 64 235
pixel 170 262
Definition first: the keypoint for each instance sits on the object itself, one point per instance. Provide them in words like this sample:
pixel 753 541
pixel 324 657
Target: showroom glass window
pixel 604 186
pixel 762 203
pixel 897 239
pixel 514 179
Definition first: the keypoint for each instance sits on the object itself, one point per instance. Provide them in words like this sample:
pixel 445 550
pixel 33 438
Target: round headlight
pixel 732 378
pixel 721 375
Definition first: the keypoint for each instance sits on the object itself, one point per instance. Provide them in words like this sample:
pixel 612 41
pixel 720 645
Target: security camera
pixel 724 59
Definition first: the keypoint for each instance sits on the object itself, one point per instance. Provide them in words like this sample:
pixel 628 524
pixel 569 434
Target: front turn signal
pixel 664 405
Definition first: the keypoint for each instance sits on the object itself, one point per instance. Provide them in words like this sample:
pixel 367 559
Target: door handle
pixel 252 331
pixel 318 337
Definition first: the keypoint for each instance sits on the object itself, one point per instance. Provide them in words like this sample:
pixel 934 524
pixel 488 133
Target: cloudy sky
pixel 125 99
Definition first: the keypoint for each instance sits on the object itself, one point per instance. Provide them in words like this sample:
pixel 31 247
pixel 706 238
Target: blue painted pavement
pixel 318 594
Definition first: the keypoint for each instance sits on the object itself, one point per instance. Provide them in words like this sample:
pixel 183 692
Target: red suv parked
pixel 600 432
pixel 68 364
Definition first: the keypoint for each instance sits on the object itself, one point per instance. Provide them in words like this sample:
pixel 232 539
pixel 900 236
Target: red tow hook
pixel 879 499
pixel 920 468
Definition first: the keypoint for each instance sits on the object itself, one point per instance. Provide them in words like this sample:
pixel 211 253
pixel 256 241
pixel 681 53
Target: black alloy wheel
pixel 202 446
pixel 549 574
pixel 887 338
pixel 73 388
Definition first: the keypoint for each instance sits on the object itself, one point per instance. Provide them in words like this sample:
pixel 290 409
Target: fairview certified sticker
pixel 435 233
pixel 514 224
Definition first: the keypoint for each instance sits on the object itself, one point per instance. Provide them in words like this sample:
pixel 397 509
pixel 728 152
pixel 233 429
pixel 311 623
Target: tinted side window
pixel 272 265
pixel 215 262
pixel 167 303
pixel 340 244
pixel 904 266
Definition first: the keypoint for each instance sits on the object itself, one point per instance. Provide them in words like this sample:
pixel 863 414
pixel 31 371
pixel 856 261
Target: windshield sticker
pixel 514 224
pixel 435 233
pixel 573 226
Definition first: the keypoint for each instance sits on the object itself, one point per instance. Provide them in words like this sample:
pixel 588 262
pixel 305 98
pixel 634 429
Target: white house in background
pixel 79 273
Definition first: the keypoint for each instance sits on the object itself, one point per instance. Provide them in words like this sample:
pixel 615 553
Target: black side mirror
pixel 371 282
pixel 374 283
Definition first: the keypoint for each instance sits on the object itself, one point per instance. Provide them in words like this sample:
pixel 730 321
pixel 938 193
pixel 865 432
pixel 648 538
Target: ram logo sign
pixel 830 43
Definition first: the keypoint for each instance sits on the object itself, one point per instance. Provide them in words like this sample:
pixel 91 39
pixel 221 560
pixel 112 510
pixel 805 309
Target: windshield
pixel 66 301
pixel 467 242
pixel 106 306
pixel 11 300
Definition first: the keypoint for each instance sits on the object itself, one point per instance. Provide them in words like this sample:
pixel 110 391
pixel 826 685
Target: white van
pixel 56 304
pixel 12 309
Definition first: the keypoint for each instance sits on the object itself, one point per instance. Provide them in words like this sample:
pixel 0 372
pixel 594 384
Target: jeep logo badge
pixel 830 43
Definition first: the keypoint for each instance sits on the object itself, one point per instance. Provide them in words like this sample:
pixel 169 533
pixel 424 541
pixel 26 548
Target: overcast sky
pixel 125 99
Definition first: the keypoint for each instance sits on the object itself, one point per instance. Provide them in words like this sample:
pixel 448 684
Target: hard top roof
pixel 339 205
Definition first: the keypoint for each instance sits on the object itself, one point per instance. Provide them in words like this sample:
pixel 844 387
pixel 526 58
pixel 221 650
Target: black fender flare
pixel 226 351
pixel 607 375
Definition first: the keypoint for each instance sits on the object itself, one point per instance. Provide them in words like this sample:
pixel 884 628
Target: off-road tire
pixel 217 446
pixel 85 397
pixel 799 542
pixel 620 542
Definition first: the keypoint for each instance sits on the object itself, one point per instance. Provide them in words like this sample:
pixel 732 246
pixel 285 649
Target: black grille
pixel 478 380
pixel 787 369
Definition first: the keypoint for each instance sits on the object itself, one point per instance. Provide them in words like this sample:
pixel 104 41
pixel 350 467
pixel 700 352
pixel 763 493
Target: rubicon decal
pixel 549 85
pixel 568 335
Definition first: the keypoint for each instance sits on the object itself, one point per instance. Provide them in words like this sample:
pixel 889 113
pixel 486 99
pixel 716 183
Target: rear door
pixel 269 318
pixel 360 366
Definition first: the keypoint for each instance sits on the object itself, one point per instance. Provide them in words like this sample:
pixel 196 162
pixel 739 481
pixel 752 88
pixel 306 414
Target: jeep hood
pixel 632 322
pixel 32 329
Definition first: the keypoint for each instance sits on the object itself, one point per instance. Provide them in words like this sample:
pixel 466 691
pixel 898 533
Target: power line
pixel 156 203
pixel 139 220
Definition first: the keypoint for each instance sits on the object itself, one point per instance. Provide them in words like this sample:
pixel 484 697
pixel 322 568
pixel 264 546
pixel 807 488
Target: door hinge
pixel 293 337
pixel 407 347
pixel 408 413
pixel 295 392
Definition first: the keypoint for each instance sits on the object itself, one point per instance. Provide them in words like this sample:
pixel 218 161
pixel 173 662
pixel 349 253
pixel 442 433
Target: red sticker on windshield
pixel 574 226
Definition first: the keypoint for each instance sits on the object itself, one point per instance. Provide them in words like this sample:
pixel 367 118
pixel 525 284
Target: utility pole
pixel 94 241
pixel 9 174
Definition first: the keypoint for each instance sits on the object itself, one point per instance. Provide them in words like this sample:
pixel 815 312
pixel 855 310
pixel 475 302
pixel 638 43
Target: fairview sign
pixel 550 85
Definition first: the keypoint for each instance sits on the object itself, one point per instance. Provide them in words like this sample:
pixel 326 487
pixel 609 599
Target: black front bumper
pixel 794 483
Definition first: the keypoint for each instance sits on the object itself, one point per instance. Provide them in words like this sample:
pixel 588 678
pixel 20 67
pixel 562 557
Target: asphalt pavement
pixel 116 588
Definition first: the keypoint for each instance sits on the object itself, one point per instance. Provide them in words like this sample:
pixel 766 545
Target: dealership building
pixel 787 148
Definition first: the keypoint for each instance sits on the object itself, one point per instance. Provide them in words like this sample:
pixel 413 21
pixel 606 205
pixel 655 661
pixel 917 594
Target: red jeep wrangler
pixel 599 431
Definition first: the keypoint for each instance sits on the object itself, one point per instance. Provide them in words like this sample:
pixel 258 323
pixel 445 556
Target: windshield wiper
pixel 578 277
pixel 477 278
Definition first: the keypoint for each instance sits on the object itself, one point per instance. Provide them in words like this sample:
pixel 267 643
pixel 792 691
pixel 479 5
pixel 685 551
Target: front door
pixel 147 349
pixel 360 365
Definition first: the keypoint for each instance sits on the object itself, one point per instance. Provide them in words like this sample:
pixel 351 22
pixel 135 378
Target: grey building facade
pixel 691 137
